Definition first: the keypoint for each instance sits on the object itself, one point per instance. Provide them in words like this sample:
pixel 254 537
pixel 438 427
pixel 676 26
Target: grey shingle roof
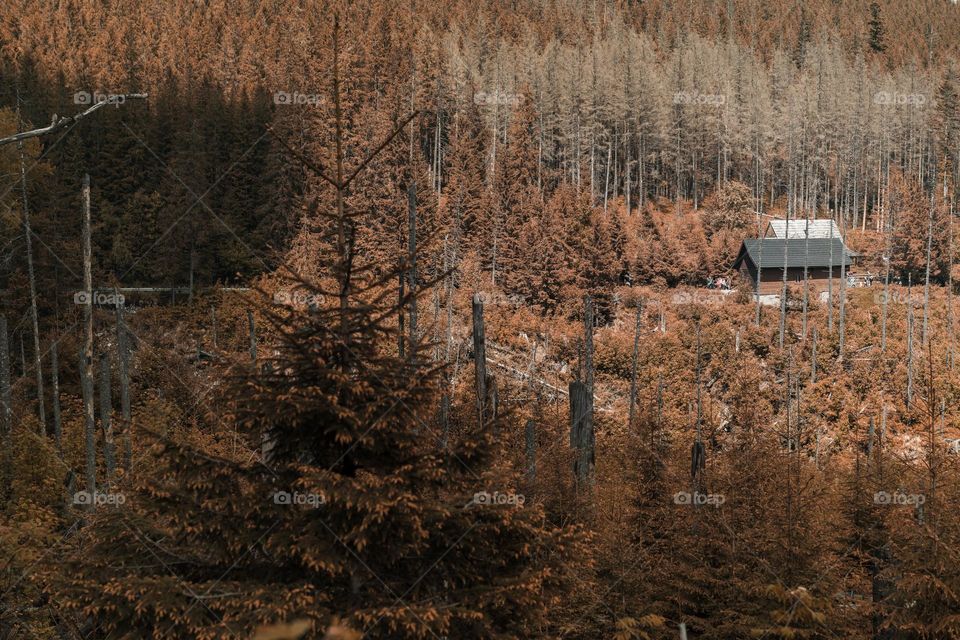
pixel 814 251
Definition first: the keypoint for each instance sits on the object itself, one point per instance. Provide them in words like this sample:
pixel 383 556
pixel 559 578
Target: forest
pixel 441 320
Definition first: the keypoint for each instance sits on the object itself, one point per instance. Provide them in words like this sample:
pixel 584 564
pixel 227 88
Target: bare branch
pixel 59 123
pixel 383 144
pixel 303 160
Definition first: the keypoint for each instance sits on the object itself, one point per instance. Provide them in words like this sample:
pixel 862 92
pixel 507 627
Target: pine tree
pixel 467 202
pixel 354 510
pixel 876 38
pixel 911 211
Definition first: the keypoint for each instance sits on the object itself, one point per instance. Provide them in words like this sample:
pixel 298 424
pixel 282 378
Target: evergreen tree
pixel 912 223
pixel 876 38
pixel 356 509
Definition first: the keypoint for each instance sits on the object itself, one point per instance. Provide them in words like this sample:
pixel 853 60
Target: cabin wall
pixel 771 279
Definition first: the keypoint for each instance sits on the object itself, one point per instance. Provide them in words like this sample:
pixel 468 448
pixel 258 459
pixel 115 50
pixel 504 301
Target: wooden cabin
pixel 763 260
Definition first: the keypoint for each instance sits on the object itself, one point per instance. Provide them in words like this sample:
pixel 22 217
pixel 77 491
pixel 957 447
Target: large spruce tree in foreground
pixel 351 505
pixel 354 510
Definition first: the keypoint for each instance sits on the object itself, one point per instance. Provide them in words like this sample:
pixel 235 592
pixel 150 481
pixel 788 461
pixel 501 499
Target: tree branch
pixel 59 123
pixel 380 148
pixel 303 160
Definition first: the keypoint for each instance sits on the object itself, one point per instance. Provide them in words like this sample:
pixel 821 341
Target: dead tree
pixel 806 274
pixel 401 313
pixel 530 441
pixel 31 279
pixel 412 258
pixel 493 398
pixel 909 351
pixel 55 382
pixel 886 301
pixel 783 294
pixel 252 328
pixel 756 319
pixel 86 359
pixel 123 360
pixel 106 428
pixel 213 325
pixel 926 281
pixel 444 421
pixel 830 282
pixel 843 298
pixel 813 358
pixel 5 396
pixel 633 372
pixel 480 357
pixel 581 434
pixel 588 344
pixel 89 430
pixel 57 124
pixel 23 359
pixel 581 407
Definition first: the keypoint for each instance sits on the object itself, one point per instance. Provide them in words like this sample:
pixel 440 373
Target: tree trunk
pixel 926 281
pixel 783 294
pixel 86 355
pixel 213 325
pixel 27 233
pixel 843 297
pixel 123 359
pixel 6 409
pixel 633 371
pixel 909 351
pixel 588 344
pixel 480 357
pixel 886 300
pixel 412 257
pixel 252 327
pixel 89 430
pixel 5 396
pixel 581 434
pixel 106 427
pixel 530 440
pixel 55 381
pixel 813 358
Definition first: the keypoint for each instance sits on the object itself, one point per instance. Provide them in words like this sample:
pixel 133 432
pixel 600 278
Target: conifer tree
pixel 353 511
pixel 876 37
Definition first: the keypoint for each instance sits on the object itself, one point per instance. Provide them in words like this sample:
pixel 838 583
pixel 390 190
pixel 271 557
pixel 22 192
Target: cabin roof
pixel 801 228
pixel 812 252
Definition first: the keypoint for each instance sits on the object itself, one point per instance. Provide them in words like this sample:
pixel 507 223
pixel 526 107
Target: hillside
pixel 426 320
